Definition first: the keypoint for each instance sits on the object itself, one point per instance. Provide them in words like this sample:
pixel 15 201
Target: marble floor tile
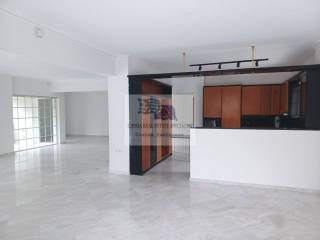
pixel 66 192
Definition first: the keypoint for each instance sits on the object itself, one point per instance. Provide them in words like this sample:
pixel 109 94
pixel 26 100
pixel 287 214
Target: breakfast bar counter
pixel 280 158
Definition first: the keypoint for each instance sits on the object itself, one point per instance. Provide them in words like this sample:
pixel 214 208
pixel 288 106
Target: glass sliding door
pixel 34 120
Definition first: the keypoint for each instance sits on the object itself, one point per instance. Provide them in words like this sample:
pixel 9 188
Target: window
pixel 34 121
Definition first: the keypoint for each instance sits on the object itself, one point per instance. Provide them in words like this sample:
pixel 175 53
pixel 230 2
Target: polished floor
pixel 65 192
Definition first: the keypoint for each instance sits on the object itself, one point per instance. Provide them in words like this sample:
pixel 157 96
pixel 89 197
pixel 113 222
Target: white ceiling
pixel 285 31
pixel 142 26
pixel 26 67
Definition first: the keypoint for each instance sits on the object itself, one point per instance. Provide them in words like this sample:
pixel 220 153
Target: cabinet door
pixel 265 100
pixel 284 98
pixel 231 107
pixel 212 102
pixel 275 99
pixel 251 100
pixel 146 138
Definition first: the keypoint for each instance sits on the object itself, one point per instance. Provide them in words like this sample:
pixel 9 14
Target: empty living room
pixel 185 119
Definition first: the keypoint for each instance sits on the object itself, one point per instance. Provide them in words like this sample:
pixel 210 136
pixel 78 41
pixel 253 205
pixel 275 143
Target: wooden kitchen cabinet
pixel 231 107
pixel 212 102
pixel 275 99
pixel 284 98
pixel 261 100
pixel 265 100
pixel 251 100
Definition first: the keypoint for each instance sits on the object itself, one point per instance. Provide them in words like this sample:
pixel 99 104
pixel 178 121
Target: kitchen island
pixel 278 158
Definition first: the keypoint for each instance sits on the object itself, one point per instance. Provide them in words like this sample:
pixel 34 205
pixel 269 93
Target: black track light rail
pixel 256 61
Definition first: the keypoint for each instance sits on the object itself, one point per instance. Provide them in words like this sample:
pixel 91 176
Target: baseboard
pixel 252 185
pixel 79 135
pixel 118 172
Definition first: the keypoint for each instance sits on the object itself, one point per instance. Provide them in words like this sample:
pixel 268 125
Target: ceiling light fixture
pixel 238 62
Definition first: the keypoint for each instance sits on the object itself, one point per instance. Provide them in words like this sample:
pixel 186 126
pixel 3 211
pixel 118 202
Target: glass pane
pixel 36 142
pixel 21 112
pixel 41 103
pixel 28 101
pixel 35 122
pixel 49 131
pixel 36 132
pixel 28 112
pixel 16 135
pixel 54 131
pixel 30 143
pixel 29 133
pixel 43 139
pixel 23 144
pixel 54 139
pixel 48 122
pixel 48 103
pixel 42 132
pixel 15 123
pixel 21 102
pixel 54 123
pixel 22 123
pixel 49 139
pixel 42 122
pixel 16 146
pixel 35 102
pixel 29 123
pixel 22 134
pixel 14 101
pixel 35 112
pixel 15 112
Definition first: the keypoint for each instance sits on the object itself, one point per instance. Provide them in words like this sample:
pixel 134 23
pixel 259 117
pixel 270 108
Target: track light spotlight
pixel 255 62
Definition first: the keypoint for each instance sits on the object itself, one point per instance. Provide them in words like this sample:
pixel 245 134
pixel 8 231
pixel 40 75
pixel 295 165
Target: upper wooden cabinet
pixel 251 100
pixel 275 99
pixel 261 100
pixel 284 98
pixel 231 107
pixel 212 102
pixel 265 100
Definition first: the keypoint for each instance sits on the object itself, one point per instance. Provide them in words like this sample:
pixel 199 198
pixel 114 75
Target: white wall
pixel 6 125
pixel 79 85
pixel 192 86
pixel 61 110
pixel 30 87
pixel 282 158
pixel 87 113
pixel 118 96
